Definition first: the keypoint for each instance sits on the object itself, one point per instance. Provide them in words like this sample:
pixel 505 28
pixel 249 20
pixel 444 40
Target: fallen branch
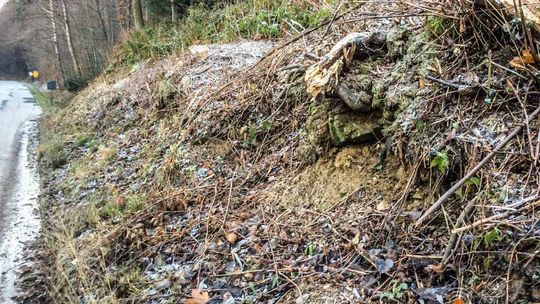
pixel 471 173
pixel 458 87
pixel 454 237
pixel 502 215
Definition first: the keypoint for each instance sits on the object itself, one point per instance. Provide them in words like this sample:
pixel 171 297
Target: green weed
pixel 310 250
pixel 441 161
pixel 110 210
pixel 438 26
pixel 135 203
pixel 397 291
pixel 470 184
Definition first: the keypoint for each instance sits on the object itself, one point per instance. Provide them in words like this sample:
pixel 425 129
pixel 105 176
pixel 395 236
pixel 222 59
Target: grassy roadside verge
pixel 44 100
pixel 56 147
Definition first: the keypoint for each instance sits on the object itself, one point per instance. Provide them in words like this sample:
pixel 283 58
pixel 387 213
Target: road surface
pixel 19 183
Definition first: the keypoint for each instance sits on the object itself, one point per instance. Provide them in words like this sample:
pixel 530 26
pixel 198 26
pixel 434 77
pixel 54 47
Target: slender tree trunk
pixel 146 13
pixel 52 20
pixel 174 12
pixel 138 14
pixel 122 9
pixel 69 39
pixel 101 20
pixel 93 62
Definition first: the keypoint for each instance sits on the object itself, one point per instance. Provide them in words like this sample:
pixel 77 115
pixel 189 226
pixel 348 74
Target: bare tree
pixel 101 20
pixel 138 14
pixel 52 20
pixel 69 39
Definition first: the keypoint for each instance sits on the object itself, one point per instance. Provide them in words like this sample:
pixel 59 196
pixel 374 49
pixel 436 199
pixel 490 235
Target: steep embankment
pixel 218 176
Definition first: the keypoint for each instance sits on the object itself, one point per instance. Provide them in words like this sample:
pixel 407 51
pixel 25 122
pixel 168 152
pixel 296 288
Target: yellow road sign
pixel 35 74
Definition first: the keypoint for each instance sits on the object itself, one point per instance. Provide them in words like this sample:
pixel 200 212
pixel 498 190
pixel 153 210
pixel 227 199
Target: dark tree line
pixel 70 40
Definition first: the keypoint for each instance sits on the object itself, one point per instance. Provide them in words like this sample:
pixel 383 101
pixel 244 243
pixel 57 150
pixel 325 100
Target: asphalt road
pixel 19 182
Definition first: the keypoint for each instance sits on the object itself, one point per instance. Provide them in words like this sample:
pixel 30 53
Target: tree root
pixel 319 76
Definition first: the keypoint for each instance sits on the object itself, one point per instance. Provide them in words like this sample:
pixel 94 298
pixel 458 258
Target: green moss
pixel 352 129
pixel 365 82
pixel 378 93
pixel 395 41
pixel 438 26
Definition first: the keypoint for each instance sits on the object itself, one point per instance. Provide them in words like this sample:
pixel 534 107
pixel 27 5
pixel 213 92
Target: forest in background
pixel 70 41
pixel 284 151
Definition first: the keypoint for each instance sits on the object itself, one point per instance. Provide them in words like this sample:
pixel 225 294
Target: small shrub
pixel 110 210
pixel 75 83
pixel 82 139
pixel 92 145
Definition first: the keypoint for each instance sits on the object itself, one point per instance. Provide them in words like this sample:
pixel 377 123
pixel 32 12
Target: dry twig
pixel 503 215
pixel 473 171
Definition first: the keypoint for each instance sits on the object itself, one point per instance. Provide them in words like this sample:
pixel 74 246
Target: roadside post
pixel 52 85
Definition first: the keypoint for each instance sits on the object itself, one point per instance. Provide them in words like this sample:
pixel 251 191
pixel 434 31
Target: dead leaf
pixel 422 83
pixel 198 297
pixel 382 206
pixel 526 58
pixel 356 240
pixel 458 301
pixel 232 238
pixel 120 202
pixel 437 268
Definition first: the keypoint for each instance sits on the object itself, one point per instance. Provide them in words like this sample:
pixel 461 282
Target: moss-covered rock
pixel 396 40
pixel 348 128
pixel 314 135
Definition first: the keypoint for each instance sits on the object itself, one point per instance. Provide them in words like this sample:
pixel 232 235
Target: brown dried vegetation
pixel 238 187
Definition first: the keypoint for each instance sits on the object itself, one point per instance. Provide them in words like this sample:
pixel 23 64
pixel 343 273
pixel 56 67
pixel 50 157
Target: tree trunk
pixel 52 20
pixel 101 20
pixel 138 14
pixel 174 12
pixel 69 39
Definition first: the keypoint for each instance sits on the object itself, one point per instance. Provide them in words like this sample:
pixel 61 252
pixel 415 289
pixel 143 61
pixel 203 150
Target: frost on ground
pixel 226 176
